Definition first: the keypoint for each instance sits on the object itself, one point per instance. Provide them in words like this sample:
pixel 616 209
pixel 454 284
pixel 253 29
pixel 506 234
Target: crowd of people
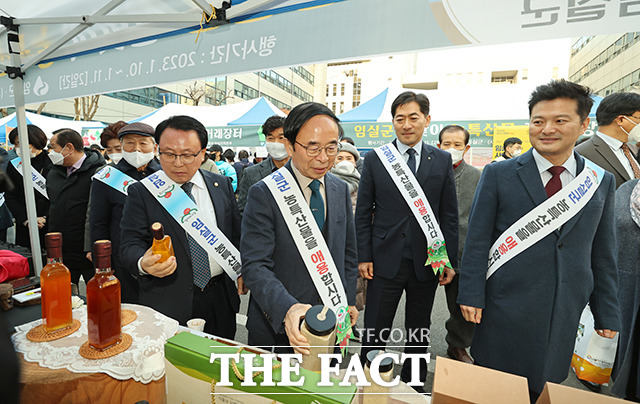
pixel 521 247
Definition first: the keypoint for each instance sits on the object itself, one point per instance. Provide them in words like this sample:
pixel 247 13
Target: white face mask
pixel 516 153
pixel 345 166
pixel 137 159
pixel 456 155
pixel 115 157
pixel 276 150
pixel 634 134
pixel 56 158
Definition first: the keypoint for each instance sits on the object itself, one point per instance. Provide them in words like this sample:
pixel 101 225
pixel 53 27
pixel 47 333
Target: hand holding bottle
pixel 150 264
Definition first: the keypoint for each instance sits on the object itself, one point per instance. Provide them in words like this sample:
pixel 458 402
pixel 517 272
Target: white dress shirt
pixel 569 173
pixel 616 147
pixel 403 148
pixel 306 191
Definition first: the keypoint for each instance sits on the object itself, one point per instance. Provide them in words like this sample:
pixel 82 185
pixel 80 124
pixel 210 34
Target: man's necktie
pixel 199 257
pixel 412 160
pixel 316 203
pixel 554 185
pixel 632 161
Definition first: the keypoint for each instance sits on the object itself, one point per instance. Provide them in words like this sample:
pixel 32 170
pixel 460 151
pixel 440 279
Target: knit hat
pixel 348 147
pixel 136 128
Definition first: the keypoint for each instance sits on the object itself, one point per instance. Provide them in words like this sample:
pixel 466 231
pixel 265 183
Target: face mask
pixel 18 151
pixel 516 153
pixel 137 159
pixel 456 155
pixel 56 158
pixel 345 166
pixel 276 150
pixel 634 134
pixel 115 157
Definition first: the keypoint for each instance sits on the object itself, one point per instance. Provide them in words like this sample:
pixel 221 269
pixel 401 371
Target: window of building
pixel 342 89
pixel 335 89
pixel 341 107
pixel 304 73
pixel 333 107
pixel 554 73
pixel 244 91
pixel 327 90
pixel 525 74
pixel 505 76
pixel 151 96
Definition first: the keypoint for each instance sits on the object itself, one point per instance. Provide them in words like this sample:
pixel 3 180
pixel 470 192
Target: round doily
pixel 128 316
pixel 88 352
pixel 39 334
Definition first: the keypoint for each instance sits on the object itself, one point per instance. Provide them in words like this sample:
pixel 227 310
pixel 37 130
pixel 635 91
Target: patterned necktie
pixel 316 203
pixel 199 257
pixel 632 161
pixel 554 185
pixel 412 160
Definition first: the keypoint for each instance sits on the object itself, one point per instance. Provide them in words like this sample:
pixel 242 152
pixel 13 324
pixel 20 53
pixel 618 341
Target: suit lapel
pixel 530 178
pixel 607 154
pixel 572 222
pixel 426 162
pixel 333 204
pixel 217 202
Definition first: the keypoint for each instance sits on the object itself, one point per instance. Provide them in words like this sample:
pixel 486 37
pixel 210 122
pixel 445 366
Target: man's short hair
pixel 243 154
pixel 110 132
pixel 271 124
pixel 215 148
pixel 70 136
pixel 410 96
pixel 454 128
pixel 511 141
pixel 229 154
pixel 301 114
pixel 563 89
pixel 183 123
pixel 349 140
pixel 37 138
pixel 614 105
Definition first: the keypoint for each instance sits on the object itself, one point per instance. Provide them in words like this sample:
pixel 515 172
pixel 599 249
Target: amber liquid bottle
pixel 55 284
pixel 161 244
pixel 103 300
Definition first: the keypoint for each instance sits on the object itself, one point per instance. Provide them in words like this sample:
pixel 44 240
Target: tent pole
pixel 21 119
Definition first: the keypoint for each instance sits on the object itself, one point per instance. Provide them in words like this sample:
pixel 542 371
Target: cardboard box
pixel 457 382
pixel 558 394
pixel 189 374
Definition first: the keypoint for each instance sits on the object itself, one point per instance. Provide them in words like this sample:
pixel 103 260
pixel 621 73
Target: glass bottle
pixel 161 244
pixel 103 300
pixel 55 284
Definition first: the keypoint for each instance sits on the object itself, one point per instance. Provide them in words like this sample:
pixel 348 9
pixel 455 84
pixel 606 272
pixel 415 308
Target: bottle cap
pixel 157 230
pixel 386 364
pixel 102 248
pixel 320 324
pixel 53 240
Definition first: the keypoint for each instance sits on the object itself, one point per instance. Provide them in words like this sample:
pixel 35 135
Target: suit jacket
pixel 250 176
pixel 467 178
pixel 384 220
pixel 172 295
pixel 598 151
pixel 272 266
pixel 532 304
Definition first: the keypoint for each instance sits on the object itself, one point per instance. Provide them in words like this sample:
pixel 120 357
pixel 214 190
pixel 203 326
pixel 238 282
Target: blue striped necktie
pixel 199 257
pixel 412 160
pixel 316 203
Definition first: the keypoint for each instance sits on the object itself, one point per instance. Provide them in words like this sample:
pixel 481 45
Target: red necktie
pixel 554 185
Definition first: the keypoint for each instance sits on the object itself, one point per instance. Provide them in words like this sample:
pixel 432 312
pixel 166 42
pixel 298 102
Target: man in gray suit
pixel 618 118
pixel 282 289
pixel 527 312
pixel 278 157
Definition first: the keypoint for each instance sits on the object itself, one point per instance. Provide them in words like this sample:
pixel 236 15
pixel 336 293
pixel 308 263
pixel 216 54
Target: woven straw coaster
pixel 128 316
pixel 39 334
pixel 87 352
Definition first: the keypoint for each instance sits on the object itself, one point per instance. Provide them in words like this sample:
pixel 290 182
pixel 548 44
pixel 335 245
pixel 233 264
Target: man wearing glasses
pixel 275 268
pixel 195 283
pixel 392 243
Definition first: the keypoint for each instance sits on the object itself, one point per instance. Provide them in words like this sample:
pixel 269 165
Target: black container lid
pixel 317 326
pixel 386 364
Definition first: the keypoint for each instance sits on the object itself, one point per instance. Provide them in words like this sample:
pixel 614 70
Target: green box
pixel 191 354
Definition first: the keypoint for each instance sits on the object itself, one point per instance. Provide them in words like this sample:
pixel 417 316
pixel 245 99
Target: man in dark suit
pixel 392 249
pixel 527 312
pixel 278 157
pixel 618 118
pixel 281 287
pixel 170 286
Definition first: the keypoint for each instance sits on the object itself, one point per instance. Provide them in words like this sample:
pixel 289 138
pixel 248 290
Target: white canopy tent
pixel 55 50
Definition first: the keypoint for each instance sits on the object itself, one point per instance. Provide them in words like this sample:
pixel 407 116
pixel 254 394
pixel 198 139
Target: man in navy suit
pixel 527 312
pixel 169 286
pixel 392 249
pixel 281 288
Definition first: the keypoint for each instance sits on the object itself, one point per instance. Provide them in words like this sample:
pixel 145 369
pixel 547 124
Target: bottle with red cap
pixel 103 300
pixel 55 287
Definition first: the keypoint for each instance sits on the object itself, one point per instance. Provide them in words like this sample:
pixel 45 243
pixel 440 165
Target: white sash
pixel 312 247
pixel 419 205
pixel 546 217
pixel 39 182
pixel 114 178
pixel 178 204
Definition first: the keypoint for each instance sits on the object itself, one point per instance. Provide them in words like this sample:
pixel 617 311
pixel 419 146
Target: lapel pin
pixel 429 158
pixel 215 184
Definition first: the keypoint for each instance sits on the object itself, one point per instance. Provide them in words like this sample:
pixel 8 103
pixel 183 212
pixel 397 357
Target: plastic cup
pixel 196 324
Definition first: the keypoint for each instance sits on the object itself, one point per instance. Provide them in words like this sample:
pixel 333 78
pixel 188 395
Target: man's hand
pixel 366 270
pixel 471 314
pixel 606 333
pixel 446 276
pixel 242 288
pixel 292 327
pixel 89 257
pixel 150 265
pixel 41 221
pixel 353 314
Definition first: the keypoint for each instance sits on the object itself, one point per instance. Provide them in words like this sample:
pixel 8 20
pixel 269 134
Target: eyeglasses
pixel 313 150
pixel 171 157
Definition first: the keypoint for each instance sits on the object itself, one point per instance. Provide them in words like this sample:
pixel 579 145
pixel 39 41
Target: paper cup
pixel 196 324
